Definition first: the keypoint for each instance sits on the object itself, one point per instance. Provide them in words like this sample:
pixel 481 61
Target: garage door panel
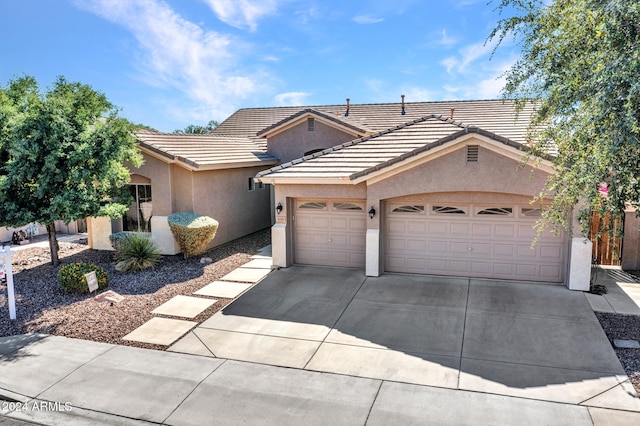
pixel 460 229
pixel 504 250
pixel 482 230
pixel 473 244
pixel 414 227
pixel 504 231
pixel 438 228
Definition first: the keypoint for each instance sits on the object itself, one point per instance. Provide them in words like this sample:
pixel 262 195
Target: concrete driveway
pixel 531 341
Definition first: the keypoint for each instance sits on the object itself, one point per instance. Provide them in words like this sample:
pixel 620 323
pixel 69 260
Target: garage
pixel 329 232
pixel 486 241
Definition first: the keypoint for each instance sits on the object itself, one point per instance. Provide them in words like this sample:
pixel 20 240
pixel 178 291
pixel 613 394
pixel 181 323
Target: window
pixel 251 185
pixel 500 211
pixel 472 153
pixel 317 205
pixel 531 212
pixel 408 209
pixel 447 210
pixel 138 217
pixel 311 124
pixel 347 206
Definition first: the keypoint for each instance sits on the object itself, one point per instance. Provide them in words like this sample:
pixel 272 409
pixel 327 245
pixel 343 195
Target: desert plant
pixel 135 253
pixel 192 231
pixel 117 238
pixel 72 280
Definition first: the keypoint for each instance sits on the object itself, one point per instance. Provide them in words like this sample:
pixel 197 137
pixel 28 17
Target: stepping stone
pixel 246 275
pixel 265 251
pixel 626 344
pixel 225 289
pixel 264 263
pixel 160 331
pixel 184 306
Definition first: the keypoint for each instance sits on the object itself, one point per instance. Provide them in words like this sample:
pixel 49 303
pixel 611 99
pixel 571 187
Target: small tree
pixel 198 130
pixel 61 155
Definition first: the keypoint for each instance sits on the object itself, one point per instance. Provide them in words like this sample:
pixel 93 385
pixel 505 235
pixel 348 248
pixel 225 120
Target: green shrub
pixel 192 231
pixel 117 238
pixel 136 252
pixel 72 280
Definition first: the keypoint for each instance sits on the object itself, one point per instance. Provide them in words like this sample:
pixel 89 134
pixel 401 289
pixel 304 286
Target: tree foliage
pixel 200 130
pixel 61 155
pixel 581 62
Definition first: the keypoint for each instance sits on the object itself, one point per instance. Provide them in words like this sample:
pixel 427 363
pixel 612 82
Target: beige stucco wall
pixel 295 141
pixel 159 173
pixel 224 196
pixel 182 188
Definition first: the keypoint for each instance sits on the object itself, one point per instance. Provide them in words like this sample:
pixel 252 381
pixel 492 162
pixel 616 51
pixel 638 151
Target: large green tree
pixel 581 62
pixel 61 155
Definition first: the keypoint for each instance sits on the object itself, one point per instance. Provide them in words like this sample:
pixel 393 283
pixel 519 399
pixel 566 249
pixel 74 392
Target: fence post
pixel 6 253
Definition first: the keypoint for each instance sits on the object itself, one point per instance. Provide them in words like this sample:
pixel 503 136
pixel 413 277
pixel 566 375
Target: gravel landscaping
pixel 42 306
pixel 625 327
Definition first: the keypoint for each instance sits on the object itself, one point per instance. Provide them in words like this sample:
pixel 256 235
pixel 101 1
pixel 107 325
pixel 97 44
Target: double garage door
pixel 441 239
pixel 471 240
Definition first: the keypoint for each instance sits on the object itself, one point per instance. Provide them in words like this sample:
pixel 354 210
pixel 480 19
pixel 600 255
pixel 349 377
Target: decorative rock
pixel 626 344
pixel 206 260
pixel 109 296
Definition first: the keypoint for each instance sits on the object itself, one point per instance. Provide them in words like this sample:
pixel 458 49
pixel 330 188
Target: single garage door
pixel 471 240
pixel 330 232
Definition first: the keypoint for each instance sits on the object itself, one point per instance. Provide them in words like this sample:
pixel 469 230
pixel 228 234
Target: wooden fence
pixel 606 249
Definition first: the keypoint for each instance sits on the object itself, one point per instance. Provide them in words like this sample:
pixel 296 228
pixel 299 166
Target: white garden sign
pixel 5 256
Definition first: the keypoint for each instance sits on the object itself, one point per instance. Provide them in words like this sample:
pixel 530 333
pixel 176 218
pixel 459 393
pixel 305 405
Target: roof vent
pixel 453 110
pixel 403 111
pixel 472 153
pixel 346 114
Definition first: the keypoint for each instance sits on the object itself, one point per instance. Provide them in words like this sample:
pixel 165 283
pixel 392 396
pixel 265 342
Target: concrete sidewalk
pixel 55 380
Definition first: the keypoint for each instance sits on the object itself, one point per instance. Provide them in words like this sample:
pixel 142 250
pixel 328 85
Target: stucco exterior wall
pixel 224 196
pixel 294 142
pixel 182 189
pixel 451 173
pixel 159 173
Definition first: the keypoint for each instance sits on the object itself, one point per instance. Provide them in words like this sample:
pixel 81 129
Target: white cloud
pixel 467 56
pixel 291 98
pixel 178 54
pixel 417 94
pixel 366 19
pixel 446 40
pixel 242 13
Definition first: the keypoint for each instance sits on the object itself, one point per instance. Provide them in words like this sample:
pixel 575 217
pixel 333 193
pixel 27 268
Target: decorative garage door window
pixel 531 212
pixel 408 209
pixel 313 205
pixel 447 210
pixel 347 206
pixel 497 211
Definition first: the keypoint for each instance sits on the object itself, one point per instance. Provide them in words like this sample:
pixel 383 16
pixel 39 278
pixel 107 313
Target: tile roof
pixel 206 152
pixel 362 156
pixel 336 118
pixel 496 116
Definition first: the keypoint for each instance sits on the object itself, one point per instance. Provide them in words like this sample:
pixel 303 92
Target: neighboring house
pixel 205 174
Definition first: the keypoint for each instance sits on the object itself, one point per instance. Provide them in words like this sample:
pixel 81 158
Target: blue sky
pixel 171 63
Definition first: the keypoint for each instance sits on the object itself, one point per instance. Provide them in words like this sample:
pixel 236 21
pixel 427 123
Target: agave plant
pixel 137 253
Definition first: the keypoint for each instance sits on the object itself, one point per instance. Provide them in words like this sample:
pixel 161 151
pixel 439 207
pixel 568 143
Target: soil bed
pixel 42 306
